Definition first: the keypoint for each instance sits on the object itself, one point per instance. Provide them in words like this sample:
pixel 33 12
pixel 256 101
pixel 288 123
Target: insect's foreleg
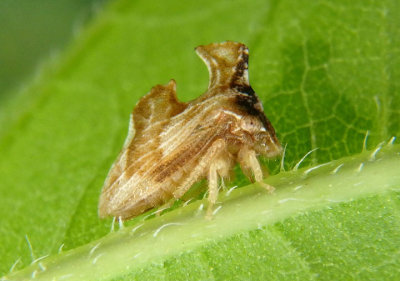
pixel 248 160
pixel 255 166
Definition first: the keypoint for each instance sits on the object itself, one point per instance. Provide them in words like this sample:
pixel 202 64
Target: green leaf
pixel 327 73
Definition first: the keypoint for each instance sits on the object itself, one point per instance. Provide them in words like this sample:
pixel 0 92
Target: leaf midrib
pixel 233 210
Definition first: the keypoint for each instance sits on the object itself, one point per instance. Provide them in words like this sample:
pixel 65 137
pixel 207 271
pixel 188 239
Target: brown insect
pixel 172 144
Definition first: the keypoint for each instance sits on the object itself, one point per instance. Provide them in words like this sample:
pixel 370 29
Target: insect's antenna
pixel 227 63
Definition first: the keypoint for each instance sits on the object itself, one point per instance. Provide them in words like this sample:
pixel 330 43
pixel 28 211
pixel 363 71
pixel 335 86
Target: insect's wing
pixel 159 176
pixel 147 121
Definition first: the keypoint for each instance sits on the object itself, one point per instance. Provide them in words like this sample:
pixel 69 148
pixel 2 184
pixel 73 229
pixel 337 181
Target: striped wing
pixel 148 119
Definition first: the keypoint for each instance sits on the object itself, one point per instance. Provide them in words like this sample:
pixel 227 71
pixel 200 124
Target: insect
pixel 172 144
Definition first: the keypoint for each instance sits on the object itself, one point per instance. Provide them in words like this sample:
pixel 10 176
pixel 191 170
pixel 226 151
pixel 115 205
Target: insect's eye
pixel 249 124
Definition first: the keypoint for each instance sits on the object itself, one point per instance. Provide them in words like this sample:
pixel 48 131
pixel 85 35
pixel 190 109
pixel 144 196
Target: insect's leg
pixel 212 189
pixel 223 186
pixel 248 160
pixel 212 165
pixel 219 167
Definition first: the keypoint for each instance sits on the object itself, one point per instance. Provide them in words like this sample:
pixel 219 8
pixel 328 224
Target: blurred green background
pixel 32 31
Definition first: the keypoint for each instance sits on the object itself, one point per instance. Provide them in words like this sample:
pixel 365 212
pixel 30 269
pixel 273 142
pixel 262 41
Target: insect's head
pixel 261 135
pixel 255 124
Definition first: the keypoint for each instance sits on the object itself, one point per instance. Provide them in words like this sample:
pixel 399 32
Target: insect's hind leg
pixel 212 189
pixel 219 169
pixel 216 163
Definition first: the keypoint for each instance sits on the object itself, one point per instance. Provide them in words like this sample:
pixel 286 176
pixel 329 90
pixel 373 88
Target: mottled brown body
pixel 172 144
